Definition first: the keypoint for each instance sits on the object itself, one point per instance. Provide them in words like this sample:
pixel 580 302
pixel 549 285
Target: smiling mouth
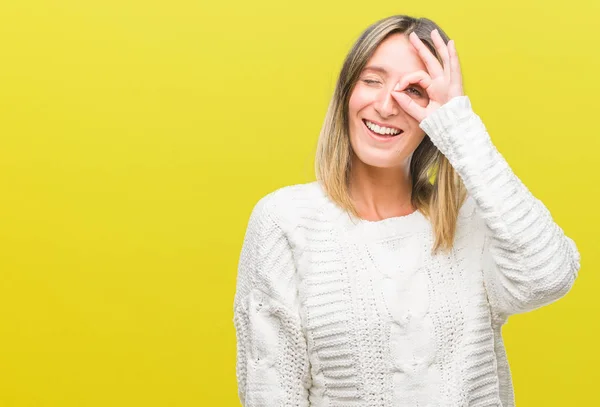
pixel 381 136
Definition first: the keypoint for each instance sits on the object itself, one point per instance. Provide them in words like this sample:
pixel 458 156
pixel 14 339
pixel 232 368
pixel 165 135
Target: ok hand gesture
pixel 442 82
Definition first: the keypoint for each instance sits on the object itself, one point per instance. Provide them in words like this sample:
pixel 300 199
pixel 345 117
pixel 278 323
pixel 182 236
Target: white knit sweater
pixel 334 312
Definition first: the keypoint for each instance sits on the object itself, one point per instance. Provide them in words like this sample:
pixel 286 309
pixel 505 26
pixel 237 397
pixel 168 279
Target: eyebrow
pixel 376 68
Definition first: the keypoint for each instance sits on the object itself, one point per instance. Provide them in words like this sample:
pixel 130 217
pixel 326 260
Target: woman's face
pixel 371 104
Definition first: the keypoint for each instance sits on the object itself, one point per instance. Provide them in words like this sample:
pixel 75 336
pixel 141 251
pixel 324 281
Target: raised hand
pixel 442 82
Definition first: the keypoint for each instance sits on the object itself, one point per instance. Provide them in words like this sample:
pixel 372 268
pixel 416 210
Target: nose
pixel 385 104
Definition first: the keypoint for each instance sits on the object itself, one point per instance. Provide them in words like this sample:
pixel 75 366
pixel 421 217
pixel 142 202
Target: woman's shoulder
pixel 286 205
pixel 295 193
pixel 290 197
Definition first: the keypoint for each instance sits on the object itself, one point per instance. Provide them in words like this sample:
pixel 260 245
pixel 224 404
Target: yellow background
pixel 136 136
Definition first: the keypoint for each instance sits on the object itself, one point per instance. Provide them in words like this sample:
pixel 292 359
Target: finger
pixel 409 105
pixel 442 50
pixel 421 78
pixel 433 65
pixel 455 71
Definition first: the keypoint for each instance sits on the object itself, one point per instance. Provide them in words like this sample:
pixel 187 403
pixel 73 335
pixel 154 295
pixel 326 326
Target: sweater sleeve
pixel 527 259
pixel 272 365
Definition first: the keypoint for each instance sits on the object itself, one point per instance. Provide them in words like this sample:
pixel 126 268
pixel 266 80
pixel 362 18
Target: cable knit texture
pixel 336 312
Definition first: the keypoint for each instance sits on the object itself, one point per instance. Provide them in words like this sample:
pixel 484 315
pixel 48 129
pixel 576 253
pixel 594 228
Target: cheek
pixel 358 100
pixel 423 102
pixel 413 124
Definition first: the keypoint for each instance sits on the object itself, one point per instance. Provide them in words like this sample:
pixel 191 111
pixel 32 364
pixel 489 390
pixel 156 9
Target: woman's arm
pixel 528 261
pixel 272 365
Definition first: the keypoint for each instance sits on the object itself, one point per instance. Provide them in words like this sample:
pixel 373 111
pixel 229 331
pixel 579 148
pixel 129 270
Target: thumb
pixel 409 105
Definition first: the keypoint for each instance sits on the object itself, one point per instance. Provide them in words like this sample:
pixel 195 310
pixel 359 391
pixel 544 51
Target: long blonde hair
pixel 437 190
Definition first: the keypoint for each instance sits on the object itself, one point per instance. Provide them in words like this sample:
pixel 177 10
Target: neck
pixel 380 193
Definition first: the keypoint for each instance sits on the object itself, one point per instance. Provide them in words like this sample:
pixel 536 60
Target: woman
pixel 386 282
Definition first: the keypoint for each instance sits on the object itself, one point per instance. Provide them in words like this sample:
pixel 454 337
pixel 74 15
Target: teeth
pixel 381 130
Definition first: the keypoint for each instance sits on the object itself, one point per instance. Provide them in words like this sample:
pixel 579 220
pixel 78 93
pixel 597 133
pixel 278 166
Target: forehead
pixel 397 56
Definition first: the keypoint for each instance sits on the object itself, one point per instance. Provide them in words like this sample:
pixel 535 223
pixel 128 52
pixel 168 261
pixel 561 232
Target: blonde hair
pixel 437 190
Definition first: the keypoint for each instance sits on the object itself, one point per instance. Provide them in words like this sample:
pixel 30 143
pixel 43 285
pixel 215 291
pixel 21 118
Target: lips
pixel 380 137
pixel 382 125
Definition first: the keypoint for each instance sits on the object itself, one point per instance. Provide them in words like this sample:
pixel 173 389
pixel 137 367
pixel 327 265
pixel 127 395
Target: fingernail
pixel 397 87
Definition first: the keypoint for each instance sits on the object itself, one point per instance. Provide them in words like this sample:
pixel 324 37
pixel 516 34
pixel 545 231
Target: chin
pixel 379 160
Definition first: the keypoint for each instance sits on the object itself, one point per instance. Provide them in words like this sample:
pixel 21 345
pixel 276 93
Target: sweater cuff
pixel 451 111
pixel 452 125
pixel 459 134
